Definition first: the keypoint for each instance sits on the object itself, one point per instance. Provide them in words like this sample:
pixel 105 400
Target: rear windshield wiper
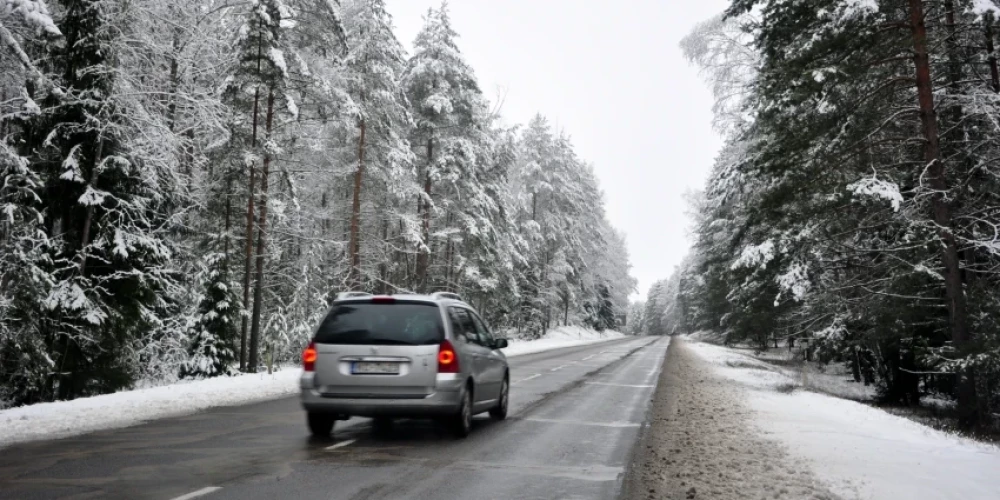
pixel 388 342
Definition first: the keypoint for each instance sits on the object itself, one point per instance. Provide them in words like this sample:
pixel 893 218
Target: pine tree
pixel 373 67
pixel 105 256
pixel 448 108
pixel 213 350
pixel 821 220
pixel 135 196
pixel 256 84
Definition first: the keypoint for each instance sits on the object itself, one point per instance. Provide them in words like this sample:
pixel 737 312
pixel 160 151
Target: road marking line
pixel 527 378
pixel 579 422
pixel 199 493
pixel 341 444
pixel 588 357
pixel 560 367
pixel 642 386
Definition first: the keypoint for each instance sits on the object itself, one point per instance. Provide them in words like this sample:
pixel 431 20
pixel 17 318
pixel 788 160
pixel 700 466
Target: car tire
pixel 500 411
pixel 320 424
pixel 382 425
pixel 461 423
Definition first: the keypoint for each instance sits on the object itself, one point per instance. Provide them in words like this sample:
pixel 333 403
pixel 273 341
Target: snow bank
pixel 857 450
pixel 564 336
pixel 746 367
pixel 122 409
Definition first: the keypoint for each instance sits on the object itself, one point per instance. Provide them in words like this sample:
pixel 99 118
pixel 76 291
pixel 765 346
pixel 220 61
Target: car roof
pixel 430 299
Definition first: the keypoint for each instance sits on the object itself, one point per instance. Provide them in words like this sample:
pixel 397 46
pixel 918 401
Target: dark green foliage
pixel 817 223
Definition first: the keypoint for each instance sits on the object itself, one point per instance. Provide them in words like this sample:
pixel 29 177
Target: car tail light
pixel 447 358
pixel 383 300
pixel 309 357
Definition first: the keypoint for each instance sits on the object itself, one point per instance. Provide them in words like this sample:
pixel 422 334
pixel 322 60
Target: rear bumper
pixel 445 400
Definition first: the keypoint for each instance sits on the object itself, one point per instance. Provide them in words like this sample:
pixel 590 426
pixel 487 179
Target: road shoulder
pixel 700 443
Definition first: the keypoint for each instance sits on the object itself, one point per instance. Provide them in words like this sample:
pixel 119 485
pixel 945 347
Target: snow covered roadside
pixel 557 338
pixel 701 443
pixel 123 409
pixel 856 450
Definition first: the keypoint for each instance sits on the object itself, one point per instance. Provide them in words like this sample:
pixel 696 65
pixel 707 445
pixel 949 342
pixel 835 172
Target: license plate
pixel 375 368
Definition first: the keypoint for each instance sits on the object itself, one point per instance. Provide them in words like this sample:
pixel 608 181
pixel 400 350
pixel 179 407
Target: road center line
pixel 580 422
pixel 199 493
pixel 525 379
pixel 642 386
pixel 588 357
pixel 341 444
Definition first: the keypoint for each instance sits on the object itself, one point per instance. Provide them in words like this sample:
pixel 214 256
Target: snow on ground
pixel 857 450
pixel 122 409
pixel 563 336
pixel 702 443
pixel 830 379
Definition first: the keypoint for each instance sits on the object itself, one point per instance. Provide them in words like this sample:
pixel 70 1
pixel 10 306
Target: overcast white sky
pixel 612 75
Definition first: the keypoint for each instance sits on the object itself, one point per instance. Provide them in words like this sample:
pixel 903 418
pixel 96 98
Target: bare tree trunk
pixel 248 255
pixel 856 364
pixel 941 209
pixel 566 310
pixel 991 52
pixel 175 82
pixel 354 279
pixel 88 221
pixel 325 224
pixel 449 252
pixel 261 244
pixel 423 257
pixel 407 273
pixel 383 270
pixel 229 211
pixel 247 260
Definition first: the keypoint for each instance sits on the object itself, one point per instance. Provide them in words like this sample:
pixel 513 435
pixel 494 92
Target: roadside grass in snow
pixel 833 379
pixel 126 408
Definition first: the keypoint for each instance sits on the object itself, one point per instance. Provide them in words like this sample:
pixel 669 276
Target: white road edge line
pixel 341 444
pixel 527 379
pixel 640 386
pixel 199 493
pixel 588 357
pixel 580 422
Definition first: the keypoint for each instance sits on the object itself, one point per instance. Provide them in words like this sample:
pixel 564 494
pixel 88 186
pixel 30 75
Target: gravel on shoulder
pixel 700 443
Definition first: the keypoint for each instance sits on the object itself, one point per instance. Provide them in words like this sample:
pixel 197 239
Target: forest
pixel 187 184
pixel 854 212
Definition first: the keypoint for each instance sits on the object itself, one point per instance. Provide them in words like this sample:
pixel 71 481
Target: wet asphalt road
pixel 575 415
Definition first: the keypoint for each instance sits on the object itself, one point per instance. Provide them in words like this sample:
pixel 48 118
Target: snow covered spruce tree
pixel 24 366
pixel 214 335
pixel 256 93
pixel 372 70
pixel 183 197
pixel 104 255
pixel 449 112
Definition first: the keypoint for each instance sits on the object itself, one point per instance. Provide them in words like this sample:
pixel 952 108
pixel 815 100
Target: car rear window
pixel 398 323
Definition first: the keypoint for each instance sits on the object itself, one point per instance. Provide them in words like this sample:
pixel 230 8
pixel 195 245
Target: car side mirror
pixel 499 343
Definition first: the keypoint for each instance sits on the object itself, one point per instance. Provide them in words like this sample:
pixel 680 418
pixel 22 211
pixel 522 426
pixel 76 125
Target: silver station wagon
pixel 403 356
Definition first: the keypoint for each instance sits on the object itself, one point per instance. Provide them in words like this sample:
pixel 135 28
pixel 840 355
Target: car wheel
pixel 320 424
pixel 462 424
pixel 382 425
pixel 500 411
